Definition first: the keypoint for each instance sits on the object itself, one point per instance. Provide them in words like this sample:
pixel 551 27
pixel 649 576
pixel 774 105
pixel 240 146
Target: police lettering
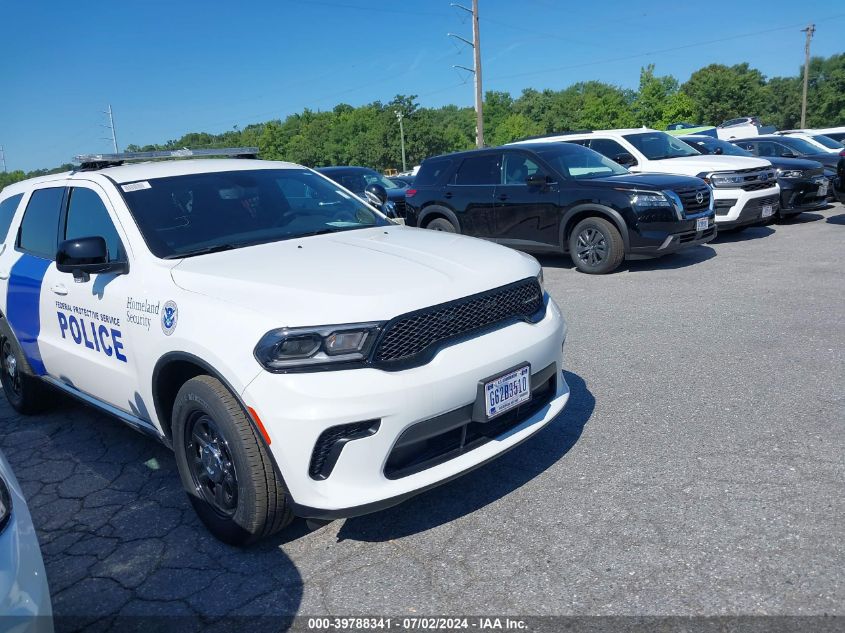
pixel 93 336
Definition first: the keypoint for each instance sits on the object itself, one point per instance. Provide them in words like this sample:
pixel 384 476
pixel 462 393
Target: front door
pixel 525 215
pixel 84 340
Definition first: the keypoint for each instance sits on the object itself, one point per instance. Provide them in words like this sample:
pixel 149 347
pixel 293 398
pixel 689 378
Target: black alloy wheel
pixel 212 468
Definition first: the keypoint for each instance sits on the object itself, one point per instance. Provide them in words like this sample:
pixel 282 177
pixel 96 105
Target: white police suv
pixel 302 354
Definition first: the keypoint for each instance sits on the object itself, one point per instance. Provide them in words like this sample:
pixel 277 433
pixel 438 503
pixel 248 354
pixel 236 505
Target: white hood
pixel 694 165
pixel 356 276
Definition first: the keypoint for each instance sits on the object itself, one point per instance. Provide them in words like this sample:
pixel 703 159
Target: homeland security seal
pixel 169 317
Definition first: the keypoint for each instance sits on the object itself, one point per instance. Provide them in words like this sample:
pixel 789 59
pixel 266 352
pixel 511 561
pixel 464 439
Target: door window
pixel 7 214
pixel 517 167
pixel 40 222
pixel 480 170
pixel 608 147
pixel 87 216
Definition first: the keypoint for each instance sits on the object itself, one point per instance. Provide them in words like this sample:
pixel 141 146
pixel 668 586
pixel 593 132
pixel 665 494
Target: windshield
pixel 827 141
pixel 198 213
pixel 800 146
pixel 710 145
pixel 357 179
pixel 659 145
pixel 575 161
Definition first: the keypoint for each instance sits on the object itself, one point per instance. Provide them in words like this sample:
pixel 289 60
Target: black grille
pixel 757 203
pixel 437 440
pixel 331 442
pixel 755 186
pixel 691 236
pixel 419 333
pixel 689 198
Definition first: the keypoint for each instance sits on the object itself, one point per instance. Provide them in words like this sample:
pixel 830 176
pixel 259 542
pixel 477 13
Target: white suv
pixel 300 353
pixel 745 189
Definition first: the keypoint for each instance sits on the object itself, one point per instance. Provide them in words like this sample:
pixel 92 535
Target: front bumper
pixel 802 195
pixel 297 408
pixel 654 243
pixel 24 596
pixel 736 207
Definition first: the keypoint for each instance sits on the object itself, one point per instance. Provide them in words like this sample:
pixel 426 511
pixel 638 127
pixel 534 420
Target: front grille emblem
pixel 699 197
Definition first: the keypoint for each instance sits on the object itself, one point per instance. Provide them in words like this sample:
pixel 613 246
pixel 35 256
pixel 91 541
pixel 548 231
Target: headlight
pixel 287 349
pixel 790 173
pixel 649 200
pixel 540 280
pixel 5 504
pixel 724 180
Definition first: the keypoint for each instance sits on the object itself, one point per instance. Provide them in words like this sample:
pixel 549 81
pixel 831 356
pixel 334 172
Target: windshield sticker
pixel 97 331
pixel 169 317
pixel 136 186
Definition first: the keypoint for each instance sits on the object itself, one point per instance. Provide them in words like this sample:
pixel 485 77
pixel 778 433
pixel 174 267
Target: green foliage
pixel 826 91
pixel 724 92
pixel 659 102
pixel 369 134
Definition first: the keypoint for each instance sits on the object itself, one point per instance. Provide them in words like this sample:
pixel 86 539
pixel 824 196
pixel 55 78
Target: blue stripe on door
pixel 23 306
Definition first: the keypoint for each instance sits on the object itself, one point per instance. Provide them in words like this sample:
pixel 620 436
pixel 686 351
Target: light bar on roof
pixel 174 153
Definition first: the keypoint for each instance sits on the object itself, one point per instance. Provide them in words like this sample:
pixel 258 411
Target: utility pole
pixel 809 31
pixel 399 116
pixel 110 126
pixel 475 70
pixel 3 158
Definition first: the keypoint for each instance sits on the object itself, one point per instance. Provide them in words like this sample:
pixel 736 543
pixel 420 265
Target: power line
pixel 656 52
pixel 809 31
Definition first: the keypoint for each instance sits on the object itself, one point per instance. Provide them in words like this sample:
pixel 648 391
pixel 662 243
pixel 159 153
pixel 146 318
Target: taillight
pixel 842 153
pixel 410 193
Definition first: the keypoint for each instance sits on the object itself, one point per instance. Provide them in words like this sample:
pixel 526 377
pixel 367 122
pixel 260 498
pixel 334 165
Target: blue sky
pixel 173 67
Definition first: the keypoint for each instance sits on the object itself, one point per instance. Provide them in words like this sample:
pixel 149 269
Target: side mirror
pixel 787 154
pixel 376 194
pixel 86 255
pixel 718 151
pixel 625 159
pixel 537 179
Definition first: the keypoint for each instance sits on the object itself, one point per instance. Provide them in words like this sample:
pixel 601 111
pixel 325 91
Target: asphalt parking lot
pixel 699 469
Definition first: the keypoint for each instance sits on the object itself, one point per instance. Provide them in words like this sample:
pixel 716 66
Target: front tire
pixel 26 393
pixel 441 224
pixel 596 246
pixel 225 467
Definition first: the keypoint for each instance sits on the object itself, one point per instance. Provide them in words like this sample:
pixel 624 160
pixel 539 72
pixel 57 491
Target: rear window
pixel 40 224
pixel 480 170
pixel 7 213
pixel 431 171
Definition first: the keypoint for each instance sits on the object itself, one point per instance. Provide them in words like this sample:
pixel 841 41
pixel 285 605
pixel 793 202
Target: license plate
pixel 823 189
pixel 506 392
pixel 768 210
pixel 701 224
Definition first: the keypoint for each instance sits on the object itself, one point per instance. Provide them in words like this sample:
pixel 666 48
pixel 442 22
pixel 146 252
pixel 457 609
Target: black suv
pixel 560 197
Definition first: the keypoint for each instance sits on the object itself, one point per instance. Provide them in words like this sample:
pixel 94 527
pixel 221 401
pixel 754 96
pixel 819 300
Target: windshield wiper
pixel 323 232
pixel 203 251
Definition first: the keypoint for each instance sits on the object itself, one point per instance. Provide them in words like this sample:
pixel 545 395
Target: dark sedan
pixel 775 146
pixel 356 180
pixel 803 185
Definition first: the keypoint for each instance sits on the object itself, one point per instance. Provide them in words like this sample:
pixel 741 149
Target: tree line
pixel 369 135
